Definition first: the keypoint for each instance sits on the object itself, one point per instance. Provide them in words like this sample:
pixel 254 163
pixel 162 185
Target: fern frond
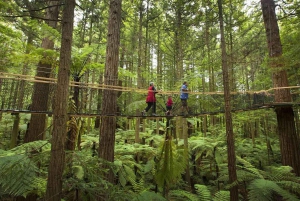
pixel 249 167
pixel 202 192
pixel 222 196
pixel 149 196
pixel 182 195
pixel 72 126
pixel 19 175
pixel 290 185
pixel 281 173
pixel 40 145
pixel 263 190
pixel 172 163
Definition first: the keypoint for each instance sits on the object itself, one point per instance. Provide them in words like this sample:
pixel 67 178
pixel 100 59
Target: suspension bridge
pixel 16 97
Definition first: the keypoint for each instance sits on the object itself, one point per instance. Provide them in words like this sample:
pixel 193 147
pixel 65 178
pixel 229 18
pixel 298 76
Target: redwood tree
pixel 229 130
pixel 109 101
pixel 289 142
pixel 60 106
pixel 41 90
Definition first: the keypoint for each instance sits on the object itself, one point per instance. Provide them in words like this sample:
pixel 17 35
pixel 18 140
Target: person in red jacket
pixel 169 105
pixel 151 100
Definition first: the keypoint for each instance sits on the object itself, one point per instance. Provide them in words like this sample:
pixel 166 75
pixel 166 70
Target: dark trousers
pixel 153 105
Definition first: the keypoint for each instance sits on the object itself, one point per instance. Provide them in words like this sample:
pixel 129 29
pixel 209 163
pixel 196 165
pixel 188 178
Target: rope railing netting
pixel 16 96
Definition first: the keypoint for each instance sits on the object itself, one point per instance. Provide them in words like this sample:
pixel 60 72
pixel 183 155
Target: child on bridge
pixel 169 105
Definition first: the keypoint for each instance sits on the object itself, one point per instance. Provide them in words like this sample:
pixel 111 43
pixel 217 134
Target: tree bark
pixel 140 36
pixel 20 90
pixel 41 90
pixel 229 130
pixel 289 142
pixel 109 101
pixel 178 41
pixel 60 106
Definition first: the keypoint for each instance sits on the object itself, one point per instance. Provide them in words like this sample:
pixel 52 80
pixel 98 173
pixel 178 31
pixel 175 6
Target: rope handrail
pixel 45 80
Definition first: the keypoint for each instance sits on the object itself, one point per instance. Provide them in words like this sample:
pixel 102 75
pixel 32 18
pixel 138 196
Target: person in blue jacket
pixel 184 96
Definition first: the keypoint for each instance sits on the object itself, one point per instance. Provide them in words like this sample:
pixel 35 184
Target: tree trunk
pixel 20 90
pixel 41 90
pixel 289 142
pixel 159 59
pixel 109 103
pixel 99 97
pixel 178 42
pixel 137 130
pixel 60 106
pixel 140 35
pixel 229 130
pixel 186 150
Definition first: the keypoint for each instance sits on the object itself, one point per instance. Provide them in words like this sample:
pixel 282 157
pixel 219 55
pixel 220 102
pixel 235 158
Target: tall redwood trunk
pixel 60 106
pixel 19 95
pixel 229 130
pixel 41 90
pixel 140 39
pixel 109 103
pixel 289 142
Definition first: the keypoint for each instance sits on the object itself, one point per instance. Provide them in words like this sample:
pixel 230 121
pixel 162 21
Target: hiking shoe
pixel 144 113
pixel 153 114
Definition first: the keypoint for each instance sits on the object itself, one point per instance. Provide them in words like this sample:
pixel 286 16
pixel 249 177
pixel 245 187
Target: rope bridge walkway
pixel 16 97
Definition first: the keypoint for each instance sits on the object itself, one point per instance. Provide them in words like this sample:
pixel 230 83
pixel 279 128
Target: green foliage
pixel 86 176
pixel 182 195
pixel 222 196
pixel 148 195
pixel 171 164
pixel 202 193
pixel 266 190
pixel 20 175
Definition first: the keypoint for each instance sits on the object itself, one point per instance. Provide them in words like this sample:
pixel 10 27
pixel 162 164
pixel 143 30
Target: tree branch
pixel 35 17
pixel 43 8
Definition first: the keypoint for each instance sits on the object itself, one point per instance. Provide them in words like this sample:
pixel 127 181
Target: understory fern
pixel 221 196
pixel 171 164
pixel 19 175
pixel 202 194
pixel 265 190
pixel 181 195
pixel 149 196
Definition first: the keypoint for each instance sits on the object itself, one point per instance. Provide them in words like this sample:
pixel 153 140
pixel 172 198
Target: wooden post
pixel 204 125
pixel 179 127
pixel 173 128
pixel 129 124
pixel 144 125
pixel 137 130
pixel 157 126
pixel 186 150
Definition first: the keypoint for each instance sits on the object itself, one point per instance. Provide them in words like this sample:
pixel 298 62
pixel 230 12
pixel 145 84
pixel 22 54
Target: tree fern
pixel 264 190
pixel 19 175
pixel 221 196
pixel 149 196
pixel 245 172
pixel 281 173
pixel 40 146
pixel 202 192
pixel 171 164
pixel 290 185
pixel 86 177
pixel 179 195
